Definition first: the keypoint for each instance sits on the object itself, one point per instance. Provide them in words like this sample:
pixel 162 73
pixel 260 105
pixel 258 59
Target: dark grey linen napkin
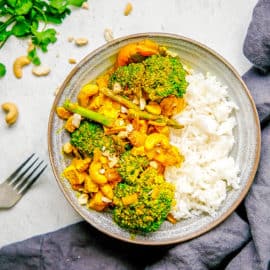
pixel 241 242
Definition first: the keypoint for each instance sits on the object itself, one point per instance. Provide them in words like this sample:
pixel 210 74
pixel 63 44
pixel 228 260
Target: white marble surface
pixel 220 24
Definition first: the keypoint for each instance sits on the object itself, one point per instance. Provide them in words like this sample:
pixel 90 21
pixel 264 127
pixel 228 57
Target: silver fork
pixel 16 185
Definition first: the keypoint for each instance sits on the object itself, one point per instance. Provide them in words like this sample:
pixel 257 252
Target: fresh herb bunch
pixel 23 18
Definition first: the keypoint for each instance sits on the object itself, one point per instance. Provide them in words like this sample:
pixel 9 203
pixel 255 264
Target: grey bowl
pixel 247 133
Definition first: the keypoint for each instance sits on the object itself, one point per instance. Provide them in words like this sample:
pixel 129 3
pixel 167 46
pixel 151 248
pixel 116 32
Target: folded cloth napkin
pixel 241 242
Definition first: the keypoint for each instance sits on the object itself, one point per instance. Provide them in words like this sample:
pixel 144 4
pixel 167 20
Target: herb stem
pixel 7 23
pixel 42 14
pixel 4 41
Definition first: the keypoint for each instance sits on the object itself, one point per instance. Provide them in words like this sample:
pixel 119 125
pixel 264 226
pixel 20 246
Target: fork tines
pixel 26 175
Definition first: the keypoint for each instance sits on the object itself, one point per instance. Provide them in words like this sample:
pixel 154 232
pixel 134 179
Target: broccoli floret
pixel 123 189
pixel 90 135
pixel 130 166
pixel 153 204
pixel 159 76
pixel 151 177
pixel 164 76
pixel 129 77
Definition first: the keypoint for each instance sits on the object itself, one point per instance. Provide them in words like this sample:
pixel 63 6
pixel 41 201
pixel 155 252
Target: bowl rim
pixel 209 226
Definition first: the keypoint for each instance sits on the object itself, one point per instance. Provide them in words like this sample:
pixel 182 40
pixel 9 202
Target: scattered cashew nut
pixel 12 112
pixel 72 61
pixel 85 5
pixel 128 9
pixel 108 34
pixel 70 39
pixel 18 64
pixel 41 71
pixel 81 41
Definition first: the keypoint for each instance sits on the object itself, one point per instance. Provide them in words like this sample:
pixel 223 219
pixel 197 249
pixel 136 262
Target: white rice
pixel 203 180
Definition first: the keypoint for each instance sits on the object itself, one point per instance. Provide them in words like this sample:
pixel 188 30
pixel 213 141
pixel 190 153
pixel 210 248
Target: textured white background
pixel 219 24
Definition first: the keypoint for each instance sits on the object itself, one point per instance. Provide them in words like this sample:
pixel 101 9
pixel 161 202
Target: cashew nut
pixel 128 9
pixel 155 139
pixel 72 61
pixel 107 191
pixel 18 64
pixel 12 112
pixel 41 71
pixel 95 175
pixel 108 34
pixel 85 5
pixel 81 41
pixel 70 39
pixel 86 93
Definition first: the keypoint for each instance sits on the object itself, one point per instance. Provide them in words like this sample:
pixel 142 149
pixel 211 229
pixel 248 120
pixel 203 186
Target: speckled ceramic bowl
pixel 247 133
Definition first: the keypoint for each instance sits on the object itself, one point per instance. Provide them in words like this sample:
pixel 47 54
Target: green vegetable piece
pixel 136 112
pixel 20 29
pixel 130 166
pixel 59 5
pixel 120 99
pixel 23 7
pixel 12 3
pixel 91 115
pixel 129 77
pixel 44 38
pixel 3 37
pixel 76 3
pixel 154 201
pixel 164 76
pixel 2 70
pixel 32 55
pixel 89 136
pixel 159 76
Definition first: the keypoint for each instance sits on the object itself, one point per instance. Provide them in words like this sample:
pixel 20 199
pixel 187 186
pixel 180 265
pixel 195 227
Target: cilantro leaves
pixel 23 18
pixel 2 70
